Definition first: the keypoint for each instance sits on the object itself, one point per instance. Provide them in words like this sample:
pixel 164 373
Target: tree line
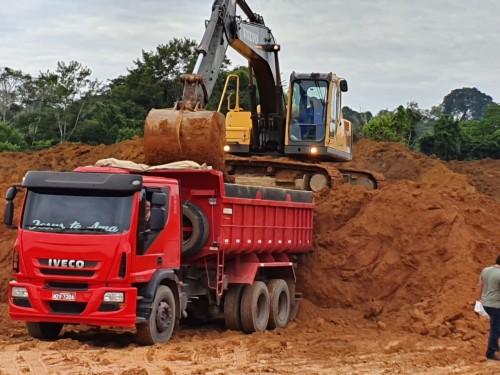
pixel 466 125
pixel 67 104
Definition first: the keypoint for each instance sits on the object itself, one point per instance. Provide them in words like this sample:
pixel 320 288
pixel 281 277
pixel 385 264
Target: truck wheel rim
pixel 163 316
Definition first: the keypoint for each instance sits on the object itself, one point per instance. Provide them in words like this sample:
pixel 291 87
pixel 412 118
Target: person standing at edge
pixel 490 298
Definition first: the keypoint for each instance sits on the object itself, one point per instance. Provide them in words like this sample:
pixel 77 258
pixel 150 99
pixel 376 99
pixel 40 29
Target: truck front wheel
pixel 254 307
pixel 44 331
pixel 280 303
pixel 161 322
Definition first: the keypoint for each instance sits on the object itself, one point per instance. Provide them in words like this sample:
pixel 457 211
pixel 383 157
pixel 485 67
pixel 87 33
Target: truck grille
pixel 67 286
pixel 71 308
pixel 66 272
pixel 47 268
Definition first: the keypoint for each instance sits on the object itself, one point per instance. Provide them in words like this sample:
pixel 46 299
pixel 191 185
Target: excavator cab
pixel 315 127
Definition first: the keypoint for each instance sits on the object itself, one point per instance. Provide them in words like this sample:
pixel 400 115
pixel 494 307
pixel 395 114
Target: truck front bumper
pixel 83 307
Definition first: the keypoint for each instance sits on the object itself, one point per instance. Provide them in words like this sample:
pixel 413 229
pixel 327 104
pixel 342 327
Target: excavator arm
pixel 255 42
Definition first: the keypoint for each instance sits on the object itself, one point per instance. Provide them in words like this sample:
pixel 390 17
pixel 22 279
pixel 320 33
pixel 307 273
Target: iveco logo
pixel 70 263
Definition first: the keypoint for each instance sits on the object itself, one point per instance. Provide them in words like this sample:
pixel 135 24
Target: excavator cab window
pixel 308 110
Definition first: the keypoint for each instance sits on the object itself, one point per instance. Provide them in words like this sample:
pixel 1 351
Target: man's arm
pixel 480 284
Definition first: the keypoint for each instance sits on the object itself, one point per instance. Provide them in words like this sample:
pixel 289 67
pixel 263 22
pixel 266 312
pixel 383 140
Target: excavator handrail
pixel 226 85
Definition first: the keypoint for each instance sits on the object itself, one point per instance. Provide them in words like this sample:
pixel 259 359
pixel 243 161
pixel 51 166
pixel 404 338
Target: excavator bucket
pixel 172 135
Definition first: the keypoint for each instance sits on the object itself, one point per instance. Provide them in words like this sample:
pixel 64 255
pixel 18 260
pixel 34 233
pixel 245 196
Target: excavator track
pixel 293 174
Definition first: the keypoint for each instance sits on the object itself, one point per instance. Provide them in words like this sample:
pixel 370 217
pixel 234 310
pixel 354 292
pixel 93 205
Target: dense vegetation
pixel 466 125
pixel 67 104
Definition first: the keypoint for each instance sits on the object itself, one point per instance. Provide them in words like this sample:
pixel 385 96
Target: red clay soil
pixel 483 174
pixel 403 260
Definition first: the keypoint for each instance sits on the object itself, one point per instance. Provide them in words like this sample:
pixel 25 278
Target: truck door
pixel 158 246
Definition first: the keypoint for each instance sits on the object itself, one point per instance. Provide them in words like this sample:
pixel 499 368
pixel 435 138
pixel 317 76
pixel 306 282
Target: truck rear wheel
pixel 44 331
pixel 195 225
pixel 254 307
pixel 232 301
pixel 279 295
pixel 161 322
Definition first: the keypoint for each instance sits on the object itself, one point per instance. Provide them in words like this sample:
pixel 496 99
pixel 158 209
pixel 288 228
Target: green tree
pixel 446 142
pixel 396 126
pixel 466 104
pixel 480 137
pixel 11 139
pixel 154 82
pixel 13 84
pixel 65 92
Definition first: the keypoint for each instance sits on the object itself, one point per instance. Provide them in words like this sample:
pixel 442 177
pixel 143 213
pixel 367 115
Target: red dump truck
pixel 108 246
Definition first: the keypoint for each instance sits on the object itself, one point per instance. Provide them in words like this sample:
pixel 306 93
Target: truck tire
pixel 232 301
pixel 254 307
pixel 194 218
pixel 280 305
pixel 294 303
pixel 161 322
pixel 44 331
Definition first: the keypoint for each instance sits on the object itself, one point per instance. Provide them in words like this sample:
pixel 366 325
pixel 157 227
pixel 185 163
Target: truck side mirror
pixel 8 217
pixel 343 86
pixel 11 193
pixel 159 203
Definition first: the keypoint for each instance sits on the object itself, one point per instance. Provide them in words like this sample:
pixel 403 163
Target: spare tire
pixel 194 229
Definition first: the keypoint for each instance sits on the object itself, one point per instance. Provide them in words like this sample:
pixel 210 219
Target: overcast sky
pixel 391 52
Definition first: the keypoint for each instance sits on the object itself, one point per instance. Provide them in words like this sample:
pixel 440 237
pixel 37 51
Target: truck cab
pixel 85 240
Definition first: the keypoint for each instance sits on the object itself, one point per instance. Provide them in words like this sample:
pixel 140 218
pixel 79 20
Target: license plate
pixel 63 296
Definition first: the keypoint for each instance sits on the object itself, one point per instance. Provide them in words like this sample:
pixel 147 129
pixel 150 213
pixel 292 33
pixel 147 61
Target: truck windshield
pixel 308 110
pixel 77 211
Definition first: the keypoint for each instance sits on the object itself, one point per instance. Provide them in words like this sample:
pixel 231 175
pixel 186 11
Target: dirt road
pixel 308 346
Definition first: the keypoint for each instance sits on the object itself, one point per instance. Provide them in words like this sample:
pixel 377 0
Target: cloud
pixel 391 52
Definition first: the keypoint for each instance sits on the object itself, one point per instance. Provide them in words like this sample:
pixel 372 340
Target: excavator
pixel 291 142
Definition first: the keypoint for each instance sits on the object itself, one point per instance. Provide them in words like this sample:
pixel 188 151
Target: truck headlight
pixel 227 148
pixel 114 297
pixel 19 292
pixel 314 150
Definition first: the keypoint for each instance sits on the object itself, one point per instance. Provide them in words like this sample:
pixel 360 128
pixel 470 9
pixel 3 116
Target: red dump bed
pixel 247 219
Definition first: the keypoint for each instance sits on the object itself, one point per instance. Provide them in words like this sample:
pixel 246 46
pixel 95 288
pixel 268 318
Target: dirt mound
pixel 397 163
pixel 483 174
pixel 407 253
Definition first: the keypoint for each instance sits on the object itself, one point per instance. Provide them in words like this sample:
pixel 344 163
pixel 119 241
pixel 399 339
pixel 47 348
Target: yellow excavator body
pixel 328 137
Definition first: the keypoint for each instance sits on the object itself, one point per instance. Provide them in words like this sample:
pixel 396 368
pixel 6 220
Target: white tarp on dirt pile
pixel 130 165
